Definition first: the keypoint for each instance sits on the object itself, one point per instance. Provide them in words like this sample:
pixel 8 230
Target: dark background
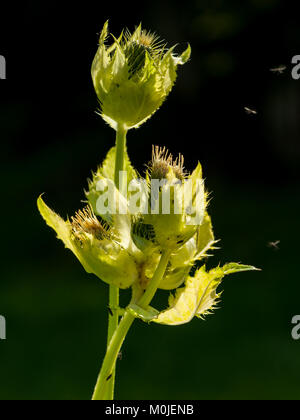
pixel 51 139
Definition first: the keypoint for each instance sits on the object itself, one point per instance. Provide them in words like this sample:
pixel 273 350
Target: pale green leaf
pixel 199 296
pixel 185 56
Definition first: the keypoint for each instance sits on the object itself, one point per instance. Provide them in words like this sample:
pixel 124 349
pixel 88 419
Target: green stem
pixel 109 362
pixel 120 155
pixel 155 281
pixel 113 317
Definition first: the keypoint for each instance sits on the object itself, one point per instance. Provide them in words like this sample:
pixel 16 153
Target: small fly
pixel 279 69
pixel 250 111
pixel 274 245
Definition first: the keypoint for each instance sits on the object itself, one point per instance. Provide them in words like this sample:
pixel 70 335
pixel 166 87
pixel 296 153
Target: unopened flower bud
pixel 133 76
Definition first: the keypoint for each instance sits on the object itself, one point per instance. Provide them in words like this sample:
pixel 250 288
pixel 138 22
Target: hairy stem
pixel 113 317
pixel 109 362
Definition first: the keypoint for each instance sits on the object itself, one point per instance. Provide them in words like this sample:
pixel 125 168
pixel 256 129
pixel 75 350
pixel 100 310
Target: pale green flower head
pixel 94 245
pixel 177 202
pixel 133 76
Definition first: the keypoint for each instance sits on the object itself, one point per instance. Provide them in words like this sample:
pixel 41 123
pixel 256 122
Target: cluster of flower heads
pixel 124 249
pixel 132 77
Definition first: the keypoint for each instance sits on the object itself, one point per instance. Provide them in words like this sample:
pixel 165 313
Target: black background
pixel 51 139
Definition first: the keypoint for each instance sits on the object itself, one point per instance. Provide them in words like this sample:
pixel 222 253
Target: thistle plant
pixel 144 233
